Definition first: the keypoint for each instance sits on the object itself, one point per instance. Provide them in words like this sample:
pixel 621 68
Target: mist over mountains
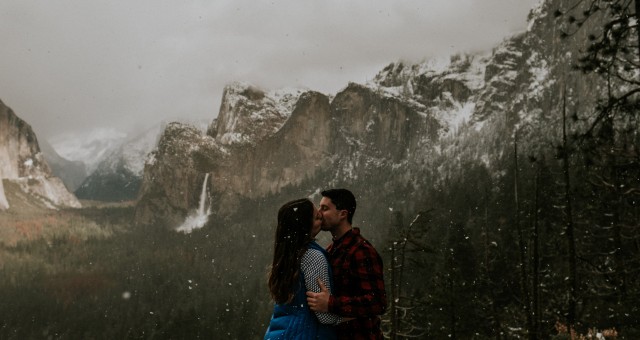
pixel 401 130
pixel 404 131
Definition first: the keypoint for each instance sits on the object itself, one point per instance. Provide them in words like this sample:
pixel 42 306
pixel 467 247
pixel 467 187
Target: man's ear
pixel 343 213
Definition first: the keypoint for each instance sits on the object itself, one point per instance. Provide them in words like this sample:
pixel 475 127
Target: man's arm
pixel 319 302
pixel 370 299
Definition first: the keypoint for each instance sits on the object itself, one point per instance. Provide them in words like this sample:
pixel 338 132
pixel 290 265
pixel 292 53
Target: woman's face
pixel 317 222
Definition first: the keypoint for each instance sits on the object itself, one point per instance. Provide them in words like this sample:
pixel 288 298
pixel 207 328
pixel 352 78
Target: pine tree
pixel 608 146
pixel 613 51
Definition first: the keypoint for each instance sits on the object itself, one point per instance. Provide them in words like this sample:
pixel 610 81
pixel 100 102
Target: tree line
pixel 550 248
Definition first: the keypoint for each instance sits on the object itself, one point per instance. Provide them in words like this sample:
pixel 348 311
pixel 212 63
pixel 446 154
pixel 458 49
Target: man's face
pixel 317 222
pixel 330 215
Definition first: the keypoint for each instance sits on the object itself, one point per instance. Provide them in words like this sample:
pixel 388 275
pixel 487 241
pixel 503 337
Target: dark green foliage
pixel 612 52
pixel 470 286
pixel 122 185
pixel 138 284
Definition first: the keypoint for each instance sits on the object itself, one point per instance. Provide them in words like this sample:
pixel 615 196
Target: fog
pixel 74 65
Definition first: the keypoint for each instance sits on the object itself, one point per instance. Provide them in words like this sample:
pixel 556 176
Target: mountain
pixel 492 157
pixel 383 132
pixel 117 177
pixel 248 114
pixel 26 174
pixel 72 173
pixel 88 147
pixel 410 129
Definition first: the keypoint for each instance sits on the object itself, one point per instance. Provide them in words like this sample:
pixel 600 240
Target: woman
pixel 298 262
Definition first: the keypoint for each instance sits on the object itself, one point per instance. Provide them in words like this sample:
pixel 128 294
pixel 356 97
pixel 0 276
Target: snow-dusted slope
pixel 411 128
pixel 89 147
pixel 117 177
pixel 132 154
pixel 442 87
pixel 249 114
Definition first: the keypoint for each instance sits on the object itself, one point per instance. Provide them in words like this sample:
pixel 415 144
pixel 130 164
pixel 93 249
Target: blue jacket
pixel 295 320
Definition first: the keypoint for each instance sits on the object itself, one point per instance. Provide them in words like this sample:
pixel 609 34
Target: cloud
pixel 72 64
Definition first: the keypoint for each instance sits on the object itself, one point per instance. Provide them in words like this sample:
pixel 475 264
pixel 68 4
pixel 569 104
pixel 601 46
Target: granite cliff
pixel 415 127
pixel 23 166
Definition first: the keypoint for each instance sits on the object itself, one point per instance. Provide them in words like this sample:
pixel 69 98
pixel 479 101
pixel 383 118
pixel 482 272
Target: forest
pixel 549 248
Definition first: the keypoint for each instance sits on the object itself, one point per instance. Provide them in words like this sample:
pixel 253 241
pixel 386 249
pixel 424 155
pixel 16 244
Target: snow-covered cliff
pixel 414 127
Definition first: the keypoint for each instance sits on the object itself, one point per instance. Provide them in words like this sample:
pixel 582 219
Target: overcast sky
pixel 71 65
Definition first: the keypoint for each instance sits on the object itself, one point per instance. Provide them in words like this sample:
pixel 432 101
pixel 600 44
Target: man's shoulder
pixel 362 244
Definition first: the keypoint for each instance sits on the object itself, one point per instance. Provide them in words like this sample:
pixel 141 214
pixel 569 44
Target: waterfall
pixel 198 218
pixel 203 196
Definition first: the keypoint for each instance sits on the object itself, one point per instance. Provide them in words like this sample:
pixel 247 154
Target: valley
pixel 89 273
pixel 501 188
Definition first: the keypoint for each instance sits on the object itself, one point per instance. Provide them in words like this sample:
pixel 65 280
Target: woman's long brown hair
pixel 293 233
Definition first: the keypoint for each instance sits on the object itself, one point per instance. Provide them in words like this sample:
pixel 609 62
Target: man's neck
pixel 340 231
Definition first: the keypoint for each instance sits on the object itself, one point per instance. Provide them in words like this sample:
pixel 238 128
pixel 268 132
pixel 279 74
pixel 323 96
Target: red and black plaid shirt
pixel 358 286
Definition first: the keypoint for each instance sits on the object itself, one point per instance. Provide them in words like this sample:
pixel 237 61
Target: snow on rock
pixel 537 11
pixel 453 118
pixel 132 154
pixel 539 68
pixel 248 114
pixel 89 147
pixel 445 88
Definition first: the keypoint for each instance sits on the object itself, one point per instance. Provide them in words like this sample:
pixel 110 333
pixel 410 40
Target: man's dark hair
pixel 343 199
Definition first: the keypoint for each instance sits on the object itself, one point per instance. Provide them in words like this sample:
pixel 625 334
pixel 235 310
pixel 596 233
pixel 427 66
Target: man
pixel 358 282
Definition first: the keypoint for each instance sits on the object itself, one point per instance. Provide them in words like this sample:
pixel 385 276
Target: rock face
pixel 22 162
pixel 249 114
pixel 412 128
pixel 173 176
pixel 119 175
pixel 72 173
pixel 358 131
pixel 174 173
pixel 19 151
pixel 284 158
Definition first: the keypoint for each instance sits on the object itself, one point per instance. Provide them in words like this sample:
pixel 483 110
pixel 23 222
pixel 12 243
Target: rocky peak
pixel 19 151
pixel 248 114
pixel 174 172
pixel 426 81
pixel 412 126
pixel 22 162
pixel 506 71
